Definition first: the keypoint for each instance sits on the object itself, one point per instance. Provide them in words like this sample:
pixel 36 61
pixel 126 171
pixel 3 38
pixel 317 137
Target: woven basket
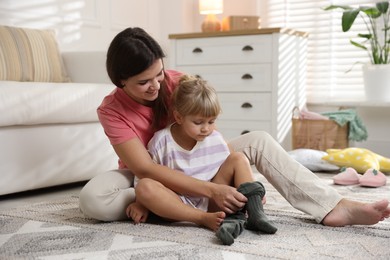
pixel 319 134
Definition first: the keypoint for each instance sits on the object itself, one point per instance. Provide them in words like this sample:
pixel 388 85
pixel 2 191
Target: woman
pixel 139 106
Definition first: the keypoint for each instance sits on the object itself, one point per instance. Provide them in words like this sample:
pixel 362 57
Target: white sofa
pixel 49 132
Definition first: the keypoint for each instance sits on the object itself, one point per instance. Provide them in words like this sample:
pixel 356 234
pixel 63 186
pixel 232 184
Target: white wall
pixel 91 24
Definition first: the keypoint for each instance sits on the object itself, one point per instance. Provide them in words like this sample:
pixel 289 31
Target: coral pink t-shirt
pixel 123 119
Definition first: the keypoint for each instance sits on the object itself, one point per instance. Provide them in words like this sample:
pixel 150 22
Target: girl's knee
pixel 146 187
pixel 237 157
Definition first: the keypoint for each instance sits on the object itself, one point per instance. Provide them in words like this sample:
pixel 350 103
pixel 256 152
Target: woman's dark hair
pixel 131 52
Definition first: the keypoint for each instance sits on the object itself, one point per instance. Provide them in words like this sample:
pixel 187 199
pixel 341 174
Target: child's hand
pixel 137 213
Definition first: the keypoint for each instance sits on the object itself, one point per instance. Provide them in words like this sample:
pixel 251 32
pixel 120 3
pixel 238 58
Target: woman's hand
pixel 227 198
pixel 137 212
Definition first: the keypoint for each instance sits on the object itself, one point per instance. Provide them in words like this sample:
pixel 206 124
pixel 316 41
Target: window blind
pixel 334 65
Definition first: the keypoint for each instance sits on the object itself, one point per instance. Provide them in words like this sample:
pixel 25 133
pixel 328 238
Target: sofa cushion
pixel 30 55
pixel 32 103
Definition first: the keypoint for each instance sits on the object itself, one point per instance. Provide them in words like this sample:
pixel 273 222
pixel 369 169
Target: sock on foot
pixel 231 227
pixel 257 220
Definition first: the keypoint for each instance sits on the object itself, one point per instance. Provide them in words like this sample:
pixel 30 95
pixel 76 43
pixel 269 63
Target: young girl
pixel 193 146
pixel 139 106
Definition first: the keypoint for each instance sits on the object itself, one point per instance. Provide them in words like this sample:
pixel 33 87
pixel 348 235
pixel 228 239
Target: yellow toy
pixel 358 158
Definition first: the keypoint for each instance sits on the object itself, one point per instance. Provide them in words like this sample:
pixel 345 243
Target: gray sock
pixel 231 227
pixel 257 220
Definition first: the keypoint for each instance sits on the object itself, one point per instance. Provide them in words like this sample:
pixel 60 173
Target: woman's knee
pixel 101 198
pixel 252 140
pixel 258 135
pixel 90 203
pixel 251 137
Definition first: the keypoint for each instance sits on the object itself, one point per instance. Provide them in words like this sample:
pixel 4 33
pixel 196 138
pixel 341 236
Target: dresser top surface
pixel 238 33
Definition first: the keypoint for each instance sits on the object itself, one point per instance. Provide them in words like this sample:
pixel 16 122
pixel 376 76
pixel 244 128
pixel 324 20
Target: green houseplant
pixel 376 41
pixel 376 19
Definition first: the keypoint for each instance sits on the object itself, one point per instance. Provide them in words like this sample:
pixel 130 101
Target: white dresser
pixel 259 75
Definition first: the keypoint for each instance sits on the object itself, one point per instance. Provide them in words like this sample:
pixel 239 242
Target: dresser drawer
pixel 234 78
pixel 245 106
pixel 224 50
pixel 231 129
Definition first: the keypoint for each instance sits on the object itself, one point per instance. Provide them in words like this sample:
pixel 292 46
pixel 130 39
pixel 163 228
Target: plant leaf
pixel 382 7
pixel 358 45
pixel 367 36
pixel 331 7
pixel 348 18
pixel 372 12
pixel 357 62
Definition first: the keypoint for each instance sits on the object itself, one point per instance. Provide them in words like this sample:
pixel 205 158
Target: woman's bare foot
pixel 212 220
pixel 348 212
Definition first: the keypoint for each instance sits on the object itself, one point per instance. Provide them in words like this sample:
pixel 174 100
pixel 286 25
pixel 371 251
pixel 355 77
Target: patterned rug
pixel 57 230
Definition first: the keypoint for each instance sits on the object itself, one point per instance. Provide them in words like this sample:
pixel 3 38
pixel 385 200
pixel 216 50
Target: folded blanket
pixel 357 130
pixel 310 115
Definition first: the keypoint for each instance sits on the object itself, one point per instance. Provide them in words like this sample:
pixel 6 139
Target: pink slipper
pixel 349 176
pixel 373 178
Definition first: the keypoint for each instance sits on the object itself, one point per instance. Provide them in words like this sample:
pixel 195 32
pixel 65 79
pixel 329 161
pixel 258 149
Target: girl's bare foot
pixel 212 220
pixel 349 212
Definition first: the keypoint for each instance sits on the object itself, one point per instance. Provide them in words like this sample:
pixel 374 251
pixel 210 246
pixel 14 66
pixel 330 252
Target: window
pixel 330 54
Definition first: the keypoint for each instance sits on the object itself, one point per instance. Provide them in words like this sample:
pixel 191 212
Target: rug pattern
pixel 58 230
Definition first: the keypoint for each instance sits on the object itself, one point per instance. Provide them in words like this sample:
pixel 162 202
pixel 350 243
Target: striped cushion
pixel 30 55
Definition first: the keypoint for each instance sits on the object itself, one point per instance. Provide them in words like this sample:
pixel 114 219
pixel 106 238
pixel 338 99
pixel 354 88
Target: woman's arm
pixel 135 156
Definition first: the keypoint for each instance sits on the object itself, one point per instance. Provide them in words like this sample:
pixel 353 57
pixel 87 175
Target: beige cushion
pixel 30 55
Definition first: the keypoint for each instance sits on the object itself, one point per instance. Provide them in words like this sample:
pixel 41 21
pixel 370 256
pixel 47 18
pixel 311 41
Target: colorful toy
pixel 358 158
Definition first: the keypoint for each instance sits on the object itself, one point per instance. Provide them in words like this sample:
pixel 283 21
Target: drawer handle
pixel 197 50
pixel 247 48
pixel 245 132
pixel 246 105
pixel 247 76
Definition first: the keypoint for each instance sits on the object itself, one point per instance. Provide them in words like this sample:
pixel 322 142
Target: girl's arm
pixel 135 156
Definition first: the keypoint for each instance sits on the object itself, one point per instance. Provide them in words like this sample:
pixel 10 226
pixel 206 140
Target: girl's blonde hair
pixel 194 96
